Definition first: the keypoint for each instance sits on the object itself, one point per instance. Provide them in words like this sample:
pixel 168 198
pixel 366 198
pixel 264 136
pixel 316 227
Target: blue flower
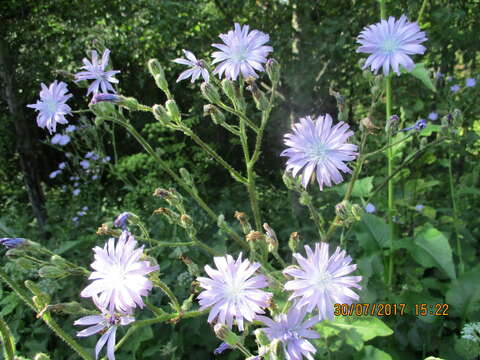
pixel 96 70
pixel 121 220
pixel 454 88
pixel 370 208
pixel 419 125
pixel 223 346
pixel 419 207
pixel 12 243
pixel 105 98
pixel 470 82
pixel 433 116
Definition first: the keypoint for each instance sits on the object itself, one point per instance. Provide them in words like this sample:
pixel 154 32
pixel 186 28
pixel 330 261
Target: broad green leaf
pixel 421 73
pixel 432 249
pixel 361 188
pixel 464 294
pixel 373 233
pixel 370 352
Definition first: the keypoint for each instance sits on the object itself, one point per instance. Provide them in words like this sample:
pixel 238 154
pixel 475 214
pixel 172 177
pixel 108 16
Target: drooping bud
pixel 155 68
pixel 173 111
pixel 217 116
pixel 121 220
pixel 293 241
pixel 104 98
pixel 225 334
pixel 12 243
pixel 273 70
pixel 161 114
pixel 210 92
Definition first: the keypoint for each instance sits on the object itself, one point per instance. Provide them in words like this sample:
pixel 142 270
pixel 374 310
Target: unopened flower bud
pixel 187 177
pixel 58 261
pixel 305 198
pixel 129 103
pixel 273 70
pixel 289 180
pixel 103 230
pixel 217 116
pixel 392 124
pixel 423 142
pixel 210 92
pixel 172 110
pixel 121 220
pixel 155 68
pixel 161 82
pixel 161 114
pixel 52 272
pixel 41 356
pixel 261 337
pixel 271 238
pixel 26 263
pixel 112 98
pixel 186 221
pixel 14 253
pixel 293 241
pixel 225 334
pixel 99 121
pixel 254 236
pixel 260 99
pixel 228 88
pixel 366 124
pixel 357 212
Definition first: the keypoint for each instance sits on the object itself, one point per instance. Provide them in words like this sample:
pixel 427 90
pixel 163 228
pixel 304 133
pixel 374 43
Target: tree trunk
pixel 24 143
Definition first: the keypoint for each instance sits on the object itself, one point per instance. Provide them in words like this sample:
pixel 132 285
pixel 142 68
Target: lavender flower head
pixel 54 174
pixel 100 323
pixel 292 331
pixel 390 42
pixel 121 220
pixel 12 243
pixel 119 275
pixel 242 52
pixel 197 67
pixel 321 282
pixel 70 128
pixel 232 292
pixel 433 116
pixel 315 147
pixel 52 106
pixel 104 98
pixel 419 125
pixel 370 208
pixel 96 70
pixel 59 139
pixel 455 88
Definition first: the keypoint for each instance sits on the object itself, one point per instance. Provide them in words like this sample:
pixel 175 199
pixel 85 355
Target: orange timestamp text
pixel 382 309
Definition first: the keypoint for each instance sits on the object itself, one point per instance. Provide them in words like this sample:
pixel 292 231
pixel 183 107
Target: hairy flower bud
pixel 293 241
pixel 228 89
pixel 161 114
pixel 155 68
pixel 52 272
pixel 271 238
pixel 217 116
pixel 210 92
pixel 225 334
pixel 366 124
pixel 161 82
pixel 273 70
pixel 173 111
pixel 392 124
pixel 129 103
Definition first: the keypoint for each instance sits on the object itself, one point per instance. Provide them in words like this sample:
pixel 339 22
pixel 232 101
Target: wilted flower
pixel 232 292
pixel 96 70
pixel 54 174
pixel 317 146
pixel 197 67
pixel 52 106
pixel 390 42
pixel 455 88
pixel 321 282
pixel 12 243
pixel 292 332
pixel 370 208
pixel 242 52
pixel 419 125
pixel 70 128
pixel 470 82
pixel 105 98
pixel 76 192
pixel 433 116
pixel 85 164
pixel 99 323
pixel 121 220
pixel 119 275
pixel 222 347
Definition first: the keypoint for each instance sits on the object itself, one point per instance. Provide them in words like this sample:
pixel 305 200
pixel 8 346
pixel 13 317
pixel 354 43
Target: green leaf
pixel 373 233
pixel 464 294
pixel 370 352
pixel 422 74
pixel 432 249
pixel 361 188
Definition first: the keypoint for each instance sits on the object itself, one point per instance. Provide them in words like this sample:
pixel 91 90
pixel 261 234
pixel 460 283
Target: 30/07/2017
pixel 381 309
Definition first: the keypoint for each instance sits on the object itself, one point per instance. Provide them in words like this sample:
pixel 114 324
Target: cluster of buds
pixel 348 213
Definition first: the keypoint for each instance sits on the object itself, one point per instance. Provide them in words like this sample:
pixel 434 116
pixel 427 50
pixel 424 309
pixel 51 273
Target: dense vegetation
pixel 435 218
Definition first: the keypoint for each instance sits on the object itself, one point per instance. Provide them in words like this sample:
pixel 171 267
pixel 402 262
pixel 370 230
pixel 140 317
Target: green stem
pixel 171 244
pixel 179 180
pixel 455 214
pixel 8 340
pixel 175 304
pixel 386 147
pixel 204 246
pixel 240 115
pixel 390 192
pixel 316 218
pixel 420 13
pixel 18 290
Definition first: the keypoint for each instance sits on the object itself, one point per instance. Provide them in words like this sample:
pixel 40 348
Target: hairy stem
pixel 175 303
pixel 455 214
pixel 8 340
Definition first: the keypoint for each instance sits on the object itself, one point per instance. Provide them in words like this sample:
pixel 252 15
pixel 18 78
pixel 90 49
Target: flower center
pixel 232 292
pixel 240 53
pixel 116 277
pixel 321 279
pixel 290 334
pixel 317 151
pixel 389 45
pixel 51 106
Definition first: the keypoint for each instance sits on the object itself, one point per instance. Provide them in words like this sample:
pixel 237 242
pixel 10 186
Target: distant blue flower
pixel 318 149
pixel 70 128
pixel 104 98
pixel 223 346
pixel 94 177
pixel 81 213
pixel 470 82
pixel 76 192
pixel 433 116
pixel 12 243
pixel 106 159
pixel 419 125
pixel 85 164
pixel 390 42
pixel 243 51
pixel 52 106
pixel 54 174
pixel 89 154
pixel 76 184
pixel 455 88
pixel 197 68
pixel 85 208
pixel 62 165
pixel 370 208
pixel 438 75
pixel 75 219
pixel 96 70
pixel 419 207
pixel 59 139
pixel 121 220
